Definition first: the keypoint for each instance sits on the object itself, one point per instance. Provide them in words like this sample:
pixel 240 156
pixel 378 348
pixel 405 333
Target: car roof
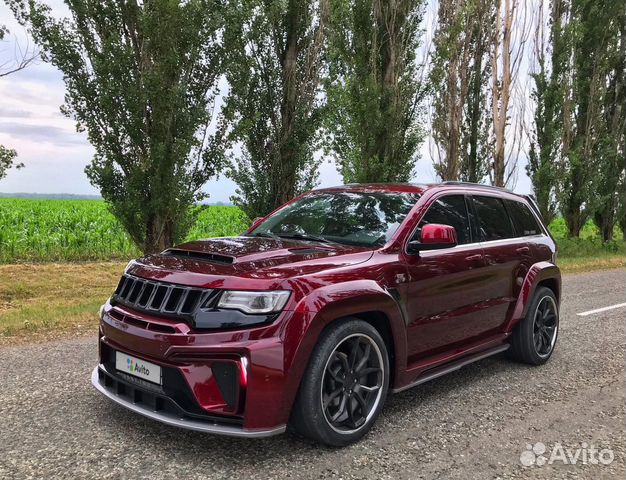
pixel 376 187
pixel 415 187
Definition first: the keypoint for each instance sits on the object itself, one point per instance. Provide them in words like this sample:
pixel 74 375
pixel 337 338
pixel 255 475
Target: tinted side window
pixel 523 219
pixel 494 221
pixel 449 210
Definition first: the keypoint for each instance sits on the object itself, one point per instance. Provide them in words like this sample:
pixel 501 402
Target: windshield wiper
pixel 304 236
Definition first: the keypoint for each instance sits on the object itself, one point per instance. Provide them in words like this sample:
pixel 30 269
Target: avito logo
pixel 135 367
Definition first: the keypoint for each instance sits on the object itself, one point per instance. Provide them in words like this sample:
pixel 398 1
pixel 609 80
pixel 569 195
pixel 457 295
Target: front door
pixel 446 287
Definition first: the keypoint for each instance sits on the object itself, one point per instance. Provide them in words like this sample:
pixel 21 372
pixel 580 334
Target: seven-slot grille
pixel 159 297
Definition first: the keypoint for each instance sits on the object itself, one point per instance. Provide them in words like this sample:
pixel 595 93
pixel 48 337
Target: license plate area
pixel 138 368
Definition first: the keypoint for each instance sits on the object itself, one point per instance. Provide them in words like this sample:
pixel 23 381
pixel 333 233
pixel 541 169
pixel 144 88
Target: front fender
pixel 536 274
pixel 326 304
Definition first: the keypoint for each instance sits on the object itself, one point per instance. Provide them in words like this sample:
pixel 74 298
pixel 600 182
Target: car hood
pixel 223 262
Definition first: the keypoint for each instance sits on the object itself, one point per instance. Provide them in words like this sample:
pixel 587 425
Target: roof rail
pixel 472 184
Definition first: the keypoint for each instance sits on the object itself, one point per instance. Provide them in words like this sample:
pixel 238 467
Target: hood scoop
pixel 203 256
pixel 308 250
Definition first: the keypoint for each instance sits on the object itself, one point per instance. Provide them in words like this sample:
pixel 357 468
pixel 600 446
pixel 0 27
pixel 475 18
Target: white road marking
pixel 603 309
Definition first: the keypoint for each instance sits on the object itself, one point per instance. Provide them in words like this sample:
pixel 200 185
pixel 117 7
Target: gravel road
pixel 471 424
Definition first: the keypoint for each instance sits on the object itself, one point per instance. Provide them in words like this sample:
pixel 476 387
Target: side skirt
pixel 452 366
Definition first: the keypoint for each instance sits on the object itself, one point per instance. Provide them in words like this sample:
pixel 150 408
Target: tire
pixel 534 337
pixel 329 371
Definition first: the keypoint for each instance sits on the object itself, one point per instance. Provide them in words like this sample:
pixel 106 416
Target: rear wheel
pixel 534 338
pixel 345 384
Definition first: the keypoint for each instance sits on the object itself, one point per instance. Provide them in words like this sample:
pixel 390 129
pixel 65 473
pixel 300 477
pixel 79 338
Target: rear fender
pixel 536 274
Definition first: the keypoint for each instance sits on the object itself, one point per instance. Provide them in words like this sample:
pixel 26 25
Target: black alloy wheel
pixel 545 326
pixel 352 383
pixel 345 384
pixel 534 338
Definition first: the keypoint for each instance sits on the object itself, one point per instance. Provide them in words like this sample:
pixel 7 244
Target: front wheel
pixel 345 384
pixel 534 338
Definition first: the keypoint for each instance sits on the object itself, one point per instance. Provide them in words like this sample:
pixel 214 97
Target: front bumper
pixel 170 418
pixel 265 371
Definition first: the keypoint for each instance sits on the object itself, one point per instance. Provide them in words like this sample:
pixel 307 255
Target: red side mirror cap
pixel 434 236
pixel 438 234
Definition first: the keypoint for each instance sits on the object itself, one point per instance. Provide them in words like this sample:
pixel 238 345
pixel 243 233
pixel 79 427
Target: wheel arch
pixel 380 321
pixel 554 285
pixel 540 274
pixel 362 299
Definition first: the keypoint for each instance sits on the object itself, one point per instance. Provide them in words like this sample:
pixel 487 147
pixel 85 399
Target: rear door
pixel 446 287
pixel 507 257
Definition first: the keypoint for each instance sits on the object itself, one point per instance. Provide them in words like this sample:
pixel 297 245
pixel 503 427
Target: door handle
pixel 474 258
pixel 522 250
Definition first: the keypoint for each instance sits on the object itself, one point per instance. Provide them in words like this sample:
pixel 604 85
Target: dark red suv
pixel 320 309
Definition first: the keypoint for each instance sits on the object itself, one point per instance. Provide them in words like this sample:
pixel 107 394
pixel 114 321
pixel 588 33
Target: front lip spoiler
pixel 186 423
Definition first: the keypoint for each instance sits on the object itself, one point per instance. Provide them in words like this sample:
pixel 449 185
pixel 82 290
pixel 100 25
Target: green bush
pixel 589 231
pixel 589 244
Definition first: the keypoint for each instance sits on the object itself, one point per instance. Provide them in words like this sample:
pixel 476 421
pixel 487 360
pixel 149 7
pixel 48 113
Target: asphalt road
pixel 471 424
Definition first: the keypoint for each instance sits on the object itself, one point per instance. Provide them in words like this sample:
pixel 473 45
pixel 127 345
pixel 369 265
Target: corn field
pixel 61 230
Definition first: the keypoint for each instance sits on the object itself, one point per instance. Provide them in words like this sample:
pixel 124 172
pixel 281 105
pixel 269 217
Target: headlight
pixel 254 302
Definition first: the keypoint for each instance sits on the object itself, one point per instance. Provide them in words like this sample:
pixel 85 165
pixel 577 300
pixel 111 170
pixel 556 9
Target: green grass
pixel 39 299
pixel 84 230
pixel 79 230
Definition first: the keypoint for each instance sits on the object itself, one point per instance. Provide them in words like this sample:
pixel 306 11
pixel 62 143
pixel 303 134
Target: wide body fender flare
pixel 537 273
pixel 329 303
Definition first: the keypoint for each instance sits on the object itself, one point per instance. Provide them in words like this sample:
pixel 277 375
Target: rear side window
pixel 494 222
pixel 523 219
pixel 449 210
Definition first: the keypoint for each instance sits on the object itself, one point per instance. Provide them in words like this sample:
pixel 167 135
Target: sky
pixel 55 154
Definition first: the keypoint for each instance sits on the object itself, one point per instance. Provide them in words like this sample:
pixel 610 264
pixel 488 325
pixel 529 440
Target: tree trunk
pixel 451 171
pixel 474 119
pixel 605 221
pixel 501 87
pixel 574 221
pixel 287 171
pixel 159 234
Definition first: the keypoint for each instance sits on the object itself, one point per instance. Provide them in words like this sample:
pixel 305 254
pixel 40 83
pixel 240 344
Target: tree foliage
pixel 548 93
pixel 459 84
pixel 610 153
pixel 374 89
pixel 275 64
pixel 509 36
pixel 593 116
pixel 141 79
pixel 7 157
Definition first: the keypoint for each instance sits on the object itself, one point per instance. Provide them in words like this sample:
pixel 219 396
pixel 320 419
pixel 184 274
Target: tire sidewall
pixel 529 322
pixel 313 419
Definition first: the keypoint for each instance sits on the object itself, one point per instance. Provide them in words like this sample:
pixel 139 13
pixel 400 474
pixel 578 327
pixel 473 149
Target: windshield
pixel 355 218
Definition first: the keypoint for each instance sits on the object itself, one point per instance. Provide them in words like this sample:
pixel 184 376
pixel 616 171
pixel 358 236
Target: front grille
pixel 159 297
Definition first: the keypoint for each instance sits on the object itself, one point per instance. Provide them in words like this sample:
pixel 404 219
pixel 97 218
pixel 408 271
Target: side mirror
pixel 434 237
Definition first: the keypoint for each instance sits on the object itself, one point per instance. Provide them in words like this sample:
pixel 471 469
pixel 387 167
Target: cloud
pixel 7 112
pixel 41 133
